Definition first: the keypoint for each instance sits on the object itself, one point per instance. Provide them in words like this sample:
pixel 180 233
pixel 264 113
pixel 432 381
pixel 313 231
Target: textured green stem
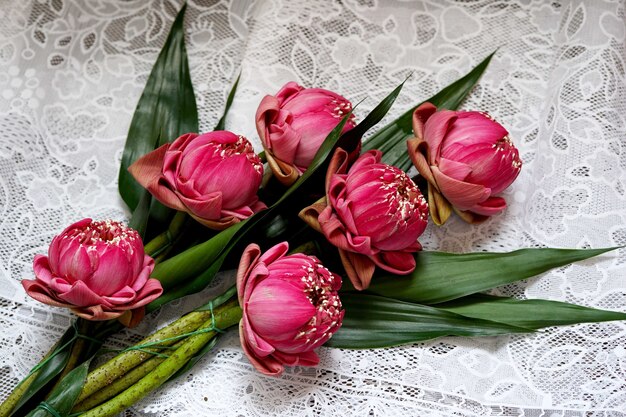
pixel 122 383
pixel 9 404
pixel 124 362
pixel 227 316
pixel 84 327
pixel 163 242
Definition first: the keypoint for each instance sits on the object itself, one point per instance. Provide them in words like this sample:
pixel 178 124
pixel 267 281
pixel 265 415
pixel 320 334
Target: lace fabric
pixel 71 73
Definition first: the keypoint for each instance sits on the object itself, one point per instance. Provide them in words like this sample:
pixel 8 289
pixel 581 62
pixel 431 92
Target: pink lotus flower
pixel 290 307
pixel 293 125
pixel 214 177
pixel 374 214
pixel 98 270
pixel 467 158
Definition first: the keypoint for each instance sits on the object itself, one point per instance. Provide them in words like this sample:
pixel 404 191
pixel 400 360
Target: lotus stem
pixel 223 317
pixel 159 246
pixel 127 360
pixel 122 383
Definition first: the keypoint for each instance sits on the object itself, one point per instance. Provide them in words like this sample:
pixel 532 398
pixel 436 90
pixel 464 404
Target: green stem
pixel 9 404
pixel 163 242
pixel 76 352
pixel 227 316
pixel 122 383
pixel 125 361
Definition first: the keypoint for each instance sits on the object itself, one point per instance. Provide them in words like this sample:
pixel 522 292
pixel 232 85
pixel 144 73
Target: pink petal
pixel 171 164
pixel 338 165
pixel 41 293
pixel 150 292
pixel 420 117
pixel 259 346
pixel 266 365
pixel 265 114
pixel 123 296
pixel 453 169
pixel 81 296
pixel 343 211
pixel 359 269
pixel 368 158
pixel 333 229
pixel 284 142
pixel 96 313
pixel 274 253
pixel 238 181
pixel 435 131
pixel 404 239
pixel 42 269
pixel 288 92
pixel 241 213
pixel 266 310
pixel 493 205
pixel 75 263
pixel 312 130
pixel 309 358
pixel 460 194
pixel 418 150
pixel 142 277
pixel 147 171
pixel 249 259
pixel 208 207
pixel 113 272
pixel 473 128
pixel 360 244
pixel 401 263
pixel 59 285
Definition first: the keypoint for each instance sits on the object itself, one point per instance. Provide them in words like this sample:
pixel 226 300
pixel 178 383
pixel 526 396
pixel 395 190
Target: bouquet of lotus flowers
pixel 322 228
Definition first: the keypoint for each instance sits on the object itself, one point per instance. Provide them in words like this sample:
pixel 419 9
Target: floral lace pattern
pixel 71 73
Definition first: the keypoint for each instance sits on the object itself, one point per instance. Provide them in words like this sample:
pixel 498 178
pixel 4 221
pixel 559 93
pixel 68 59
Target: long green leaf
pixel 391 139
pixel 166 110
pixel 63 397
pixel 350 139
pixel 374 322
pixel 440 277
pixel 532 314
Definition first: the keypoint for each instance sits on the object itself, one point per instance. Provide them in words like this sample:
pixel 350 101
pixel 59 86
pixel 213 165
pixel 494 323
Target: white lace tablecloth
pixel 71 73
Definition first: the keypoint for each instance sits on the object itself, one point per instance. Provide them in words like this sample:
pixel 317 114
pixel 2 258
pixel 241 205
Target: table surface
pixel 71 73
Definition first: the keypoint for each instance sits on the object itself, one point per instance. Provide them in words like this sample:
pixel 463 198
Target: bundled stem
pixel 159 247
pixel 122 383
pixel 225 316
pixel 127 360
pixel 9 404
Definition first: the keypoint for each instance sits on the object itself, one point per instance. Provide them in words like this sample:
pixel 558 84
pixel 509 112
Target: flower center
pixel 241 147
pixel 109 232
pixel 319 284
pixel 340 108
pixel 405 200
pixel 505 146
